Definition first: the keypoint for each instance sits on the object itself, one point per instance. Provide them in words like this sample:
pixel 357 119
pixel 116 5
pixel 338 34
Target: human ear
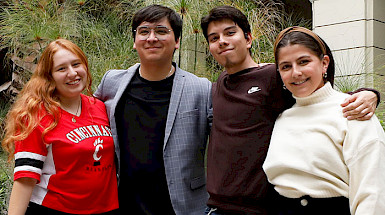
pixel 325 63
pixel 177 44
pixel 249 39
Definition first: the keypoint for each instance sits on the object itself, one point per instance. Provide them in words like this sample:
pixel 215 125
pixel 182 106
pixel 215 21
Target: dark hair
pixel 226 12
pixel 305 37
pixel 154 13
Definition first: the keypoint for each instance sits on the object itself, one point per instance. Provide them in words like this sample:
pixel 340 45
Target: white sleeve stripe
pixel 29 155
pixel 28 169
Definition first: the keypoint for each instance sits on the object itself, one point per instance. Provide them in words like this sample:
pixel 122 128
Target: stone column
pixel 355 31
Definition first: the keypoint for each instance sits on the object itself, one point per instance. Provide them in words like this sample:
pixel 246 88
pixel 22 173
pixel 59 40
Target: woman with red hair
pixel 61 140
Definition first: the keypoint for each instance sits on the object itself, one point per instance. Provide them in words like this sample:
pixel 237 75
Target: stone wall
pixel 354 30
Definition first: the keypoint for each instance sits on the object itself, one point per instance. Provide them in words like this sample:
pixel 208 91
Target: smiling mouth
pixel 224 51
pixel 300 82
pixel 74 82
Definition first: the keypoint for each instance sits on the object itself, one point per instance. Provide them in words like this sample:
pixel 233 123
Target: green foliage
pixel 354 71
pixel 347 83
pixel 5 168
pixel 28 22
pixel 5 183
pixel 100 28
pixel 4 106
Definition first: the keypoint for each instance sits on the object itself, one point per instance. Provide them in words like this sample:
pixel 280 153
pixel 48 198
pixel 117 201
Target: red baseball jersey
pixel 73 163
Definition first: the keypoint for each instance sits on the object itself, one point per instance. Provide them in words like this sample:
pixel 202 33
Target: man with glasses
pixel 159 117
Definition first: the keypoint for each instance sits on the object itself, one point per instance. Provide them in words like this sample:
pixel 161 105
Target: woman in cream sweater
pixel 318 161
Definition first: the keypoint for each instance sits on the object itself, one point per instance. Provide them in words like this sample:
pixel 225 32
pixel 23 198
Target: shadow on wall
pixel 5 75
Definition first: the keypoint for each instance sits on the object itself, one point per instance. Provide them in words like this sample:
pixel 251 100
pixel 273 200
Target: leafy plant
pixel 101 29
pixel 5 183
pixel 347 83
pixel 354 71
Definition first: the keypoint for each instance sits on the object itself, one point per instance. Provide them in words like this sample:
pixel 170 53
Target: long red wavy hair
pixel 37 94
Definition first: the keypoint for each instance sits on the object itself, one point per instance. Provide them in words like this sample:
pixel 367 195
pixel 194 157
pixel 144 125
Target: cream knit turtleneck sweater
pixel 315 151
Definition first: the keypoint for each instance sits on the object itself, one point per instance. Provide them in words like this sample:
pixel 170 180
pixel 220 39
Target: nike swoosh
pixel 253 90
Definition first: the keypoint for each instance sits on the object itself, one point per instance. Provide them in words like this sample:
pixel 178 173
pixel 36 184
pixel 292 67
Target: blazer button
pixel 304 202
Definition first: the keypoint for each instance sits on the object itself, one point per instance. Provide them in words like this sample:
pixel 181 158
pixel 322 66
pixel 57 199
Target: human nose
pixel 72 71
pixel 222 41
pixel 296 71
pixel 152 35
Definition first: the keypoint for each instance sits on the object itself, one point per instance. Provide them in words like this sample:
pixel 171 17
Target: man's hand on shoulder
pixel 360 106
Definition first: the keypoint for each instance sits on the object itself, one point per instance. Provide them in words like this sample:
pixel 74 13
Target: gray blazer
pixel 187 128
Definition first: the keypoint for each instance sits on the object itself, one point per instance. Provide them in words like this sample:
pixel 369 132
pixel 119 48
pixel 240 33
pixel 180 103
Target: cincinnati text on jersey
pixel 81 133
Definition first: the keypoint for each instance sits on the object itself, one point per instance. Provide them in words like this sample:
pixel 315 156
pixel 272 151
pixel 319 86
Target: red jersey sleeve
pixel 30 155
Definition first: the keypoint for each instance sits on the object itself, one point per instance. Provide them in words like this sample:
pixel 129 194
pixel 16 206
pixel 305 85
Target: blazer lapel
pixel 176 95
pixel 122 87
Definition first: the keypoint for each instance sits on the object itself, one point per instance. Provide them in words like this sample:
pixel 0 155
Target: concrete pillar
pixel 355 31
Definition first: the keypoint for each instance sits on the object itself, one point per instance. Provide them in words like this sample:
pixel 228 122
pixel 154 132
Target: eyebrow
pixel 230 27
pixel 149 26
pixel 300 58
pixel 71 62
pixel 226 29
pixel 285 62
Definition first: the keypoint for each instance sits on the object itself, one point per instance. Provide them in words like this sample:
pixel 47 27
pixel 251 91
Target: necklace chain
pixel 168 75
pixel 77 110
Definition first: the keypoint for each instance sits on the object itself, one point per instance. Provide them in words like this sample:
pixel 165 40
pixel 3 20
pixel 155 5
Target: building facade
pixel 355 31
